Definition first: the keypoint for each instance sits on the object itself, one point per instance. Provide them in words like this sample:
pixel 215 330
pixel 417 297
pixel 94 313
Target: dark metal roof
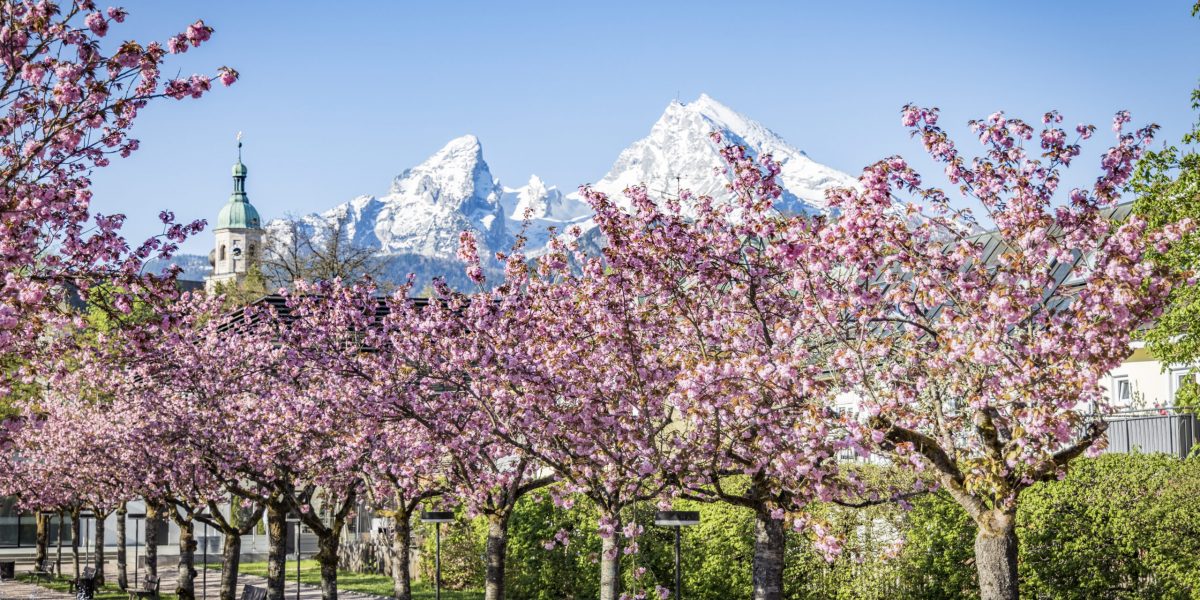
pixel 277 304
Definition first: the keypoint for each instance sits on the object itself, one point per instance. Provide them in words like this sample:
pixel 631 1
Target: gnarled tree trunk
pixel 42 537
pixel 497 547
pixel 75 540
pixel 122 553
pixel 152 523
pixel 401 561
pixel 185 587
pixel 58 559
pixel 610 563
pixel 996 555
pixel 327 557
pixel 769 544
pixel 231 558
pixel 277 552
pixel 99 550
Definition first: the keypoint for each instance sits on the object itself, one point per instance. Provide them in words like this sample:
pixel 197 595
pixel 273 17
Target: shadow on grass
pixel 377 585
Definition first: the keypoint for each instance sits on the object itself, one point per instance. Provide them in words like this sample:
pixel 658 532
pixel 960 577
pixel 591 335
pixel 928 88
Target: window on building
pixel 1082 269
pixel 1180 378
pixel 222 253
pixel 250 254
pixel 1122 391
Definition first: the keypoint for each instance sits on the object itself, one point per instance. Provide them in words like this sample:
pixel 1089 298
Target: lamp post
pixel 137 531
pixel 295 518
pixel 203 514
pixel 437 517
pixel 677 519
pixel 87 548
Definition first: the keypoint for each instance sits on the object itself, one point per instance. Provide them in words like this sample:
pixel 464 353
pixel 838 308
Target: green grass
pixel 110 591
pixel 379 585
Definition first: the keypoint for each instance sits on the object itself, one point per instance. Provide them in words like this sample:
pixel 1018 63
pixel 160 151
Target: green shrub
pixel 462 554
pixel 1118 526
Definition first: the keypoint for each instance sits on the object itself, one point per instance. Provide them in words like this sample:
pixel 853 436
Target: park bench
pixel 149 589
pixel 89 576
pixel 84 587
pixel 43 570
pixel 254 593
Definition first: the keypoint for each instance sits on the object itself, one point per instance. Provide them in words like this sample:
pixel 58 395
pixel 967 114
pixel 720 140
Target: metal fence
pixel 1168 430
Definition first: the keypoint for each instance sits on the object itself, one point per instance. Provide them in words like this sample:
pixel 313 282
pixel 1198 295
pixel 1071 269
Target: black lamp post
pixel 677 519
pixel 437 517
pixel 204 573
pixel 295 518
pixel 137 532
pixel 87 547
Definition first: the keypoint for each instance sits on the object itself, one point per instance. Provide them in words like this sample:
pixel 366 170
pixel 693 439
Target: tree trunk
pixel 996 556
pixel 122 551
pixel 185 587
pixel 610 563
pixel 42 537
pixel 769 545
pixel 401 561
pixel 277 552
pixel 231 558
pixel 152 519
pixel 75 541
pixel 58 560
pixel 327 556
pixel 497 546
pixel 99 550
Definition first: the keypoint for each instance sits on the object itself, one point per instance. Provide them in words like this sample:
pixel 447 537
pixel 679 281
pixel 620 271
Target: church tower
pixel 239 234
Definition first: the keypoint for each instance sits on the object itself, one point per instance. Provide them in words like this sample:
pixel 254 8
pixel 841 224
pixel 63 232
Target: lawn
pixel 109 592
pixel 379 585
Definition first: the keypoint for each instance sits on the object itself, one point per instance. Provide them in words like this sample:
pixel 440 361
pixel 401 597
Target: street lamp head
pixel 136 516
pixel 437 516
pixel 292 517
pixel 86 514
pixel 677 518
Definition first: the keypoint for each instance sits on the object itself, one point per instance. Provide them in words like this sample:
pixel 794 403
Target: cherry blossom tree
pixel 567 367
pixel 66 108
pixel 183 384
pixel 403 471
pixel 979 356
pixel 756 411
pixel 318 462
pixel 421 376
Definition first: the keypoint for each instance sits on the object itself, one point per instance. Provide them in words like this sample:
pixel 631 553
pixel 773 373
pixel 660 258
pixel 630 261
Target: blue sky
pixel 336 98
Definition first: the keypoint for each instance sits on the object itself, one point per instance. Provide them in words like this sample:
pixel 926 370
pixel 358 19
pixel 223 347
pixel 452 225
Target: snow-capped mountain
pixel 545 207
pixel 679 154
pixel 426 207
pixel 416 224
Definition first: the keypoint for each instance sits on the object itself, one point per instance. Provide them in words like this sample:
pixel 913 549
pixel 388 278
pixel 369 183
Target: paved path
pixel 16 590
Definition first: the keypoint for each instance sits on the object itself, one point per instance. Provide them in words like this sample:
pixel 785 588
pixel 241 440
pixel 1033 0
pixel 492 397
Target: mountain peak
pixel 460 150
pixel 680 153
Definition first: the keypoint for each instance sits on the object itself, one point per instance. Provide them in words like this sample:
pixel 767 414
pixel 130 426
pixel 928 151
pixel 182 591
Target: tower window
pixel 222 257
pixel 250 255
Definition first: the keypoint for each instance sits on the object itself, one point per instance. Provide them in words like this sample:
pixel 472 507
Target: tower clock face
pixel 237 252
